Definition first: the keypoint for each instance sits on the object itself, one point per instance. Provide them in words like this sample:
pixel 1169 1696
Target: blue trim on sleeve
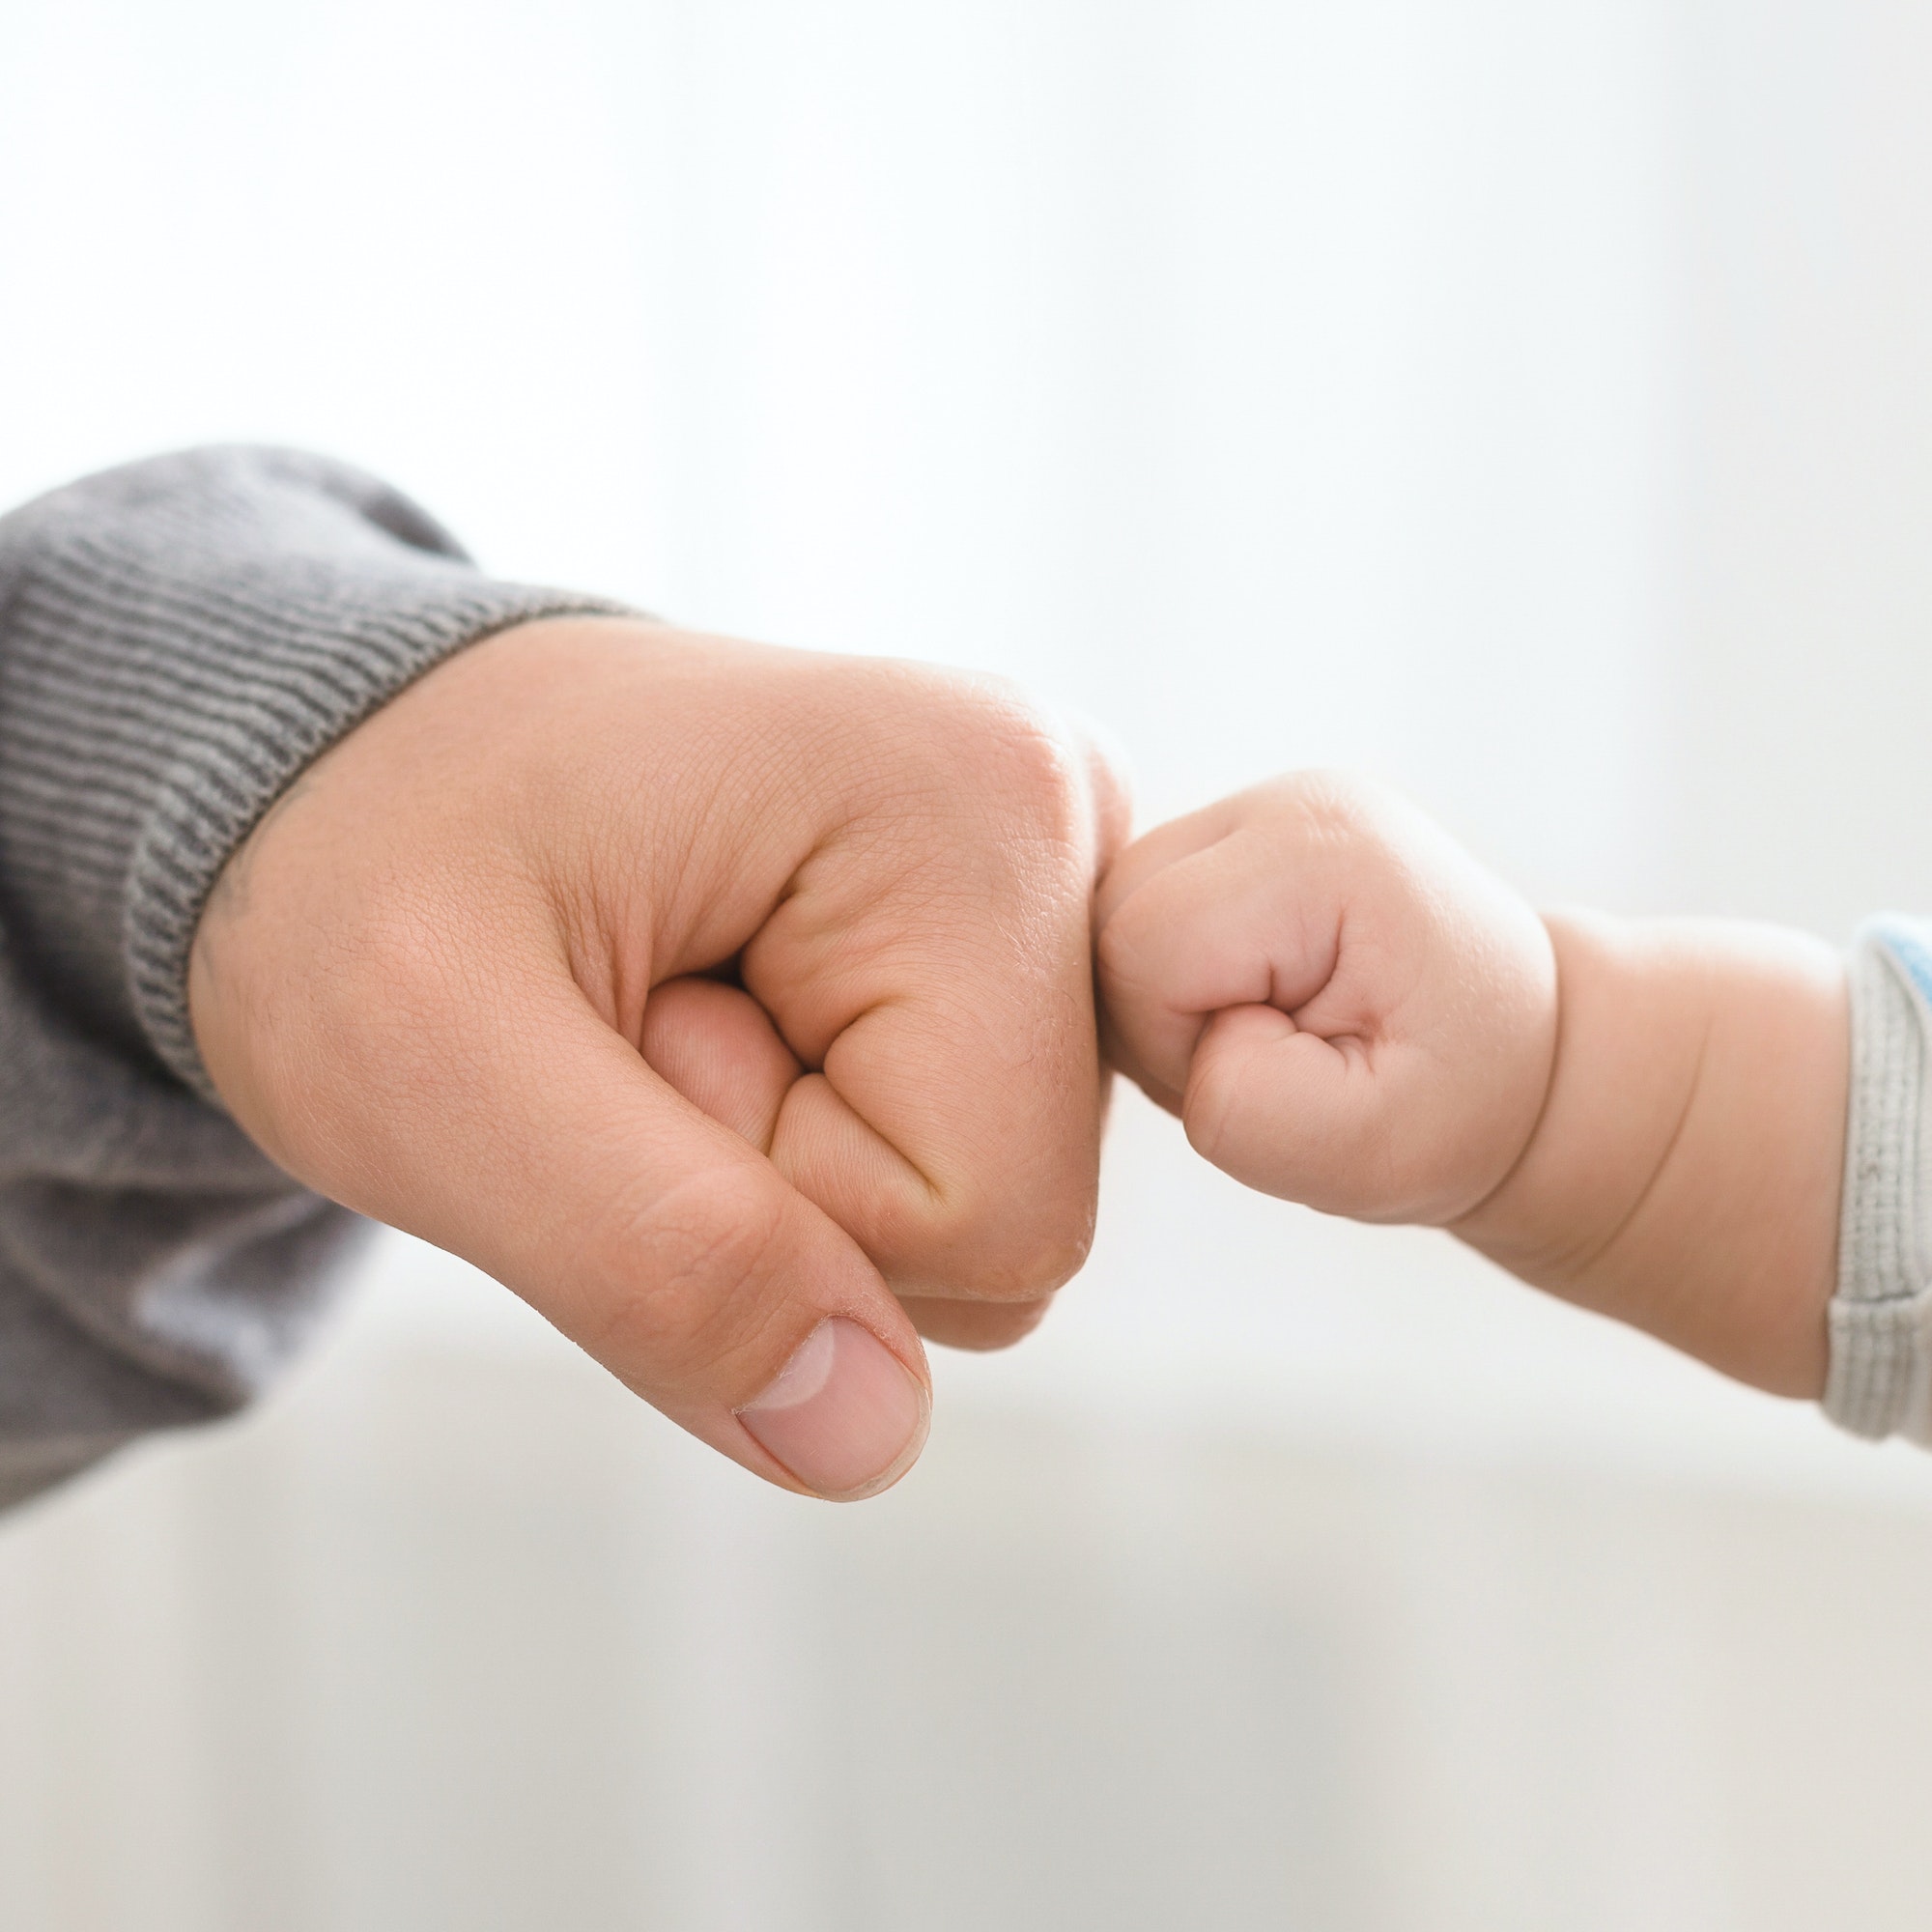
pixel 1909 943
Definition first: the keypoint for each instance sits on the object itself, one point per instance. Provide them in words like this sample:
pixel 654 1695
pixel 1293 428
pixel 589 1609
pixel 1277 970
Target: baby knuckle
pixel 1337 804
pixel 1121 963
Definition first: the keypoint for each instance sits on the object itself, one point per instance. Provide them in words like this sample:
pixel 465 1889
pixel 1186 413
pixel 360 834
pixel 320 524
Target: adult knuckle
pixel 990 738
pixel 1033 758
pixel 998 1255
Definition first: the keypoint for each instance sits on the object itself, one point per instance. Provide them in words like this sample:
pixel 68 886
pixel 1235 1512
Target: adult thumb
pixel 526 1134
pixel 678 1255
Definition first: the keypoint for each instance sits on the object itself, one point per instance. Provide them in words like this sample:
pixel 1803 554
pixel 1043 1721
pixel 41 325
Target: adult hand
pixel 731 1004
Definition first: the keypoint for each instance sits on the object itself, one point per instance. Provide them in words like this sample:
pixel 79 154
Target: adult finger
pixel 931 969
pixel 956 1322
pixel 716 1046
pixel 1109 792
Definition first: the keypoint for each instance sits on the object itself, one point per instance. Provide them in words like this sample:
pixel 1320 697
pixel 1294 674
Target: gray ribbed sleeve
pixel 178 638
pixel 1880 1380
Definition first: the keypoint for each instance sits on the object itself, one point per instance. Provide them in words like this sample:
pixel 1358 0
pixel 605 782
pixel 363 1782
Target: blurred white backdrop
pixel 1527 403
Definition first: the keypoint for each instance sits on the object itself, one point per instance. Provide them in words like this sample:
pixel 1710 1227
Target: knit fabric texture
pixel 1880 1378
pixel 178 640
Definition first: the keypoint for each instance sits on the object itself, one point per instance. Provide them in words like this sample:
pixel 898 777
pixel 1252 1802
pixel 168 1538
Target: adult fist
pixel 731 1004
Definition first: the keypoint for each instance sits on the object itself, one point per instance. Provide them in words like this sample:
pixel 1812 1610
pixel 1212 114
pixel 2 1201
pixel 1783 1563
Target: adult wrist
pixel 181 637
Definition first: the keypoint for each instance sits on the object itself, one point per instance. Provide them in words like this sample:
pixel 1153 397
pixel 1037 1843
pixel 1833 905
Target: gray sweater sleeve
pixel 178 638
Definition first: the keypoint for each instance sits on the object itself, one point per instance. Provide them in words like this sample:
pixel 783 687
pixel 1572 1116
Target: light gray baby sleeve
pixel 178 640
pixel 1880 1380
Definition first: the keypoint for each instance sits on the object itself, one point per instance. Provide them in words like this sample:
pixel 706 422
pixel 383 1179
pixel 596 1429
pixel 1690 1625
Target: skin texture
pixel 699 991
pixel 1645 1117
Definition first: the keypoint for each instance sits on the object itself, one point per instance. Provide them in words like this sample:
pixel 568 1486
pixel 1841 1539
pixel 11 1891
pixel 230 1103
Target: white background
pixel 1528 401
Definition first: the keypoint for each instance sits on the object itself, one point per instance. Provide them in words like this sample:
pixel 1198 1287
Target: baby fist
pixel 1342 1007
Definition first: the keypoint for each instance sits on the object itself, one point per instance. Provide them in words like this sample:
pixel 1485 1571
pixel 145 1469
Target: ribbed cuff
pixel 1880 1380
pixel 178 640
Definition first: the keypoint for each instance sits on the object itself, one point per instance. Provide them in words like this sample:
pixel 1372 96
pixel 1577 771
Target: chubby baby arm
pixel 1646 1117
pixel 1685 1173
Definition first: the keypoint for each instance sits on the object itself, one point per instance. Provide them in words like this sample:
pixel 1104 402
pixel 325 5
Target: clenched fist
pixel 1344 1006
pixel 731 1004
pixel 1645 1116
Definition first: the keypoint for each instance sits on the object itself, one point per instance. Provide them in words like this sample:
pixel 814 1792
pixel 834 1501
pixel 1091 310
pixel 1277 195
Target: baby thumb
pixel 1291 1113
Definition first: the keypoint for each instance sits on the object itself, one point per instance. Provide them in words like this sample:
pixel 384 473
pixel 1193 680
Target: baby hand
pixel 1342 1005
